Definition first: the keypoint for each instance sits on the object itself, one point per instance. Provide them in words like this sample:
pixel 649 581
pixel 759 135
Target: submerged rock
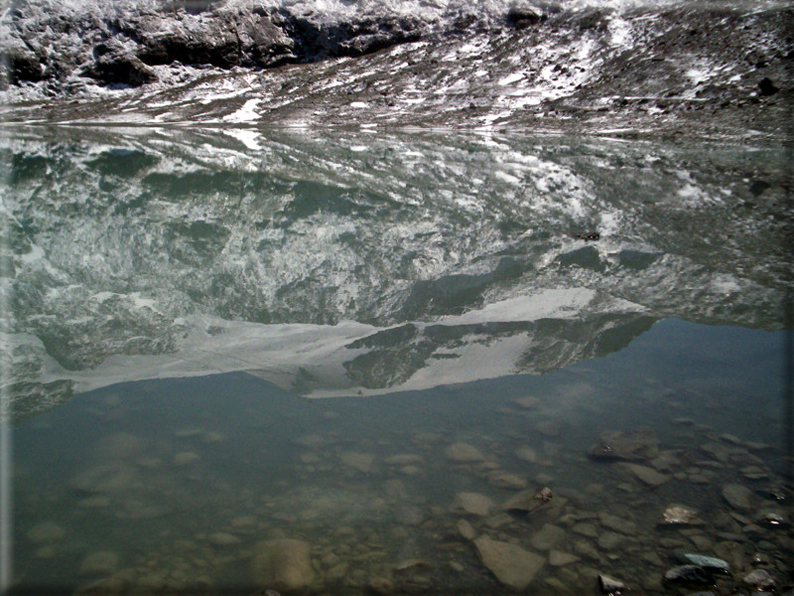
pixel 630 446
pixel 611 586
pixel 547 537
pixel 559 558
pixel 760 579
pixel 504 479
pixel 99 563
pixel 772 519
pixel 647 475
pixel 709 564
pixel 527 501
pixel 465 529
pixel 680 515
pixel 738 496
pixel 512 565
pixel 473 504
pixel 284 564
pixel 463 452
pixel 46 532
pixel 362 462
pixel 689 574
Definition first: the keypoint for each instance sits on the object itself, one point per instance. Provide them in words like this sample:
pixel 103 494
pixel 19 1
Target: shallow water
pixel 210 346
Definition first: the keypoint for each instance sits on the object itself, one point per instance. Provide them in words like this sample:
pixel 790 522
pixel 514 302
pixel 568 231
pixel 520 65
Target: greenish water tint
pixel 177 481
pixel 362 350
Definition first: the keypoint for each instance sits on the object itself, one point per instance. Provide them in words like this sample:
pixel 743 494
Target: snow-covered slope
pixel 664 67
pixel 333 263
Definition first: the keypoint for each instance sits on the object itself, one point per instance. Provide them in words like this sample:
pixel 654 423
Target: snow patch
pixel 247 113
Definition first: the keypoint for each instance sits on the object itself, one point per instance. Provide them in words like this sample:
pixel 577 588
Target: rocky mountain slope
pixel 628 67
pixel 352 261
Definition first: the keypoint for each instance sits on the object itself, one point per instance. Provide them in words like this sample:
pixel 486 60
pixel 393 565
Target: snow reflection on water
pixel 177 486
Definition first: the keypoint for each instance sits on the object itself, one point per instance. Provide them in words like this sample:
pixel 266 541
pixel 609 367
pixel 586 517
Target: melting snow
pixel 245 114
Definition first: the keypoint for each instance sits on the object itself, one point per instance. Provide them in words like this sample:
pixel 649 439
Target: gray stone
pixel 363 462
pixel 283 564
pixel 527 454
pixel 610 585
pixel 559 559
pixel 759 579
pixel 647 475
pixel 528 403
pixel 223 539
pixel 679 515
pixel 473 504
pixel 619 524
pixel 512 565
pixel 710 564
pixel 465 529
pixel 689 574
pixel 463 452
pixel 46 532
pixel 610 540
pixel 628 446
pixel 99 563
pixel 586 529
pixel 547 537
pixel 504 479
pixel 738 496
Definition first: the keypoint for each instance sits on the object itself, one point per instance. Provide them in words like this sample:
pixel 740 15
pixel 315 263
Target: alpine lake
pixel 351 362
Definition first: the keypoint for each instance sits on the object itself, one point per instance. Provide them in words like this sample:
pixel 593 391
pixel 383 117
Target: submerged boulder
pixel 512 565
pixel 283 564
pixel 628 446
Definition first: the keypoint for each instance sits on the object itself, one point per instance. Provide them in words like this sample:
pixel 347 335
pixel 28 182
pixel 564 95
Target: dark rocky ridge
pixel 673 67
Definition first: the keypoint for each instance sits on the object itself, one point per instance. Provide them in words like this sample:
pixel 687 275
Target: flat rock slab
pixel 647 475
pixel 634 445
pixel 363 462
pixel 558 558
pixel 512 565
pixel 547 537
pixel 463 452
pixel 283 564
pixel 473 504
pixel 738 496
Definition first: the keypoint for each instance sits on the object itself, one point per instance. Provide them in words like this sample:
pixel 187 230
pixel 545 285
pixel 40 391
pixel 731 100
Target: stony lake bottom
pixel 519 410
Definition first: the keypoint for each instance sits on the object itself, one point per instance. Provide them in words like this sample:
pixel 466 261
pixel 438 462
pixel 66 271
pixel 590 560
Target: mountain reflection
pixel 346 262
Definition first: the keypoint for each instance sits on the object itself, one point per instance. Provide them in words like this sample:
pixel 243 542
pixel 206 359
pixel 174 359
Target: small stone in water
pixel 185 458
pixel 46 532
pixel 647 475
pixel 710 564
pixel 610 585
pixel 759 580
pixel 473 504
pixel 738 496
pixel 635 445
pixel 528 402
pixel 690 574
pixel 465 529
pixel 772 519
pixel 463 452
pixel 678 514
pixel 558 558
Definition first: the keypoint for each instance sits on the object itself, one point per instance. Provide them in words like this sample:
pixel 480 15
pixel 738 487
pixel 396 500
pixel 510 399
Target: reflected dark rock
pixel 332 264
